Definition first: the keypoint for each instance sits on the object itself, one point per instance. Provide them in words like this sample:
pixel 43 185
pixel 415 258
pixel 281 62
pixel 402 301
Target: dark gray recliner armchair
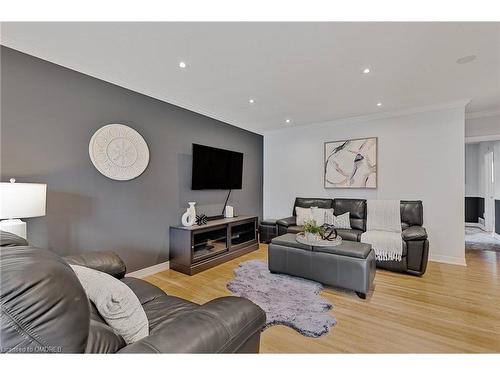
pixel 45 309
pixel 414 235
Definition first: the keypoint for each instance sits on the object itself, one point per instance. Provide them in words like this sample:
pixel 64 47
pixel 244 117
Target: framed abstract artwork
pixel 351 163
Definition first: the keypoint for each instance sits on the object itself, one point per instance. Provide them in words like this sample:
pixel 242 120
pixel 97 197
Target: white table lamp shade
pixel 21 200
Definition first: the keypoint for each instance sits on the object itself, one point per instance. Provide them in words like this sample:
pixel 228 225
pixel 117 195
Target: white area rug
pixel 287 300
pixel 477 239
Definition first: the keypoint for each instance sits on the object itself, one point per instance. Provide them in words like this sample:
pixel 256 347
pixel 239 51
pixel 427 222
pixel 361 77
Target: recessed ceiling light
pixel 379 104
pixel 287 120
pixel 182 64
pixel 251 101
pixel 466 59
pixel 366 70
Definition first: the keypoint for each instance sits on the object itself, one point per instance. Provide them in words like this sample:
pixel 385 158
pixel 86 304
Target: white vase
pixel 189 217
pixel 311 237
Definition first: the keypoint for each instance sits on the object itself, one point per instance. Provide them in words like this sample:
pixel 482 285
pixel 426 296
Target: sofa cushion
pixel 295 229
pixel 350 234
pixel 312 202
pixel 412 212
pixel 142 289
pixel 356 209
pixel 42 302
pixel 222 325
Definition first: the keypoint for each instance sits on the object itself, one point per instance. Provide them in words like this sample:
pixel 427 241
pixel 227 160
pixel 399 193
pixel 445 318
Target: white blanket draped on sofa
pixel 383 229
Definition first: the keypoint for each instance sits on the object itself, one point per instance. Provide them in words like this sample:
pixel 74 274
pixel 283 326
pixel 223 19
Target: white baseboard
pixel 496 236
pixel 148 271
pixel 475 225
pixel 447 259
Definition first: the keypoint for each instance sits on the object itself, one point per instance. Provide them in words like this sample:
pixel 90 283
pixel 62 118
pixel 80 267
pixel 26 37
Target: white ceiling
pixel 307 72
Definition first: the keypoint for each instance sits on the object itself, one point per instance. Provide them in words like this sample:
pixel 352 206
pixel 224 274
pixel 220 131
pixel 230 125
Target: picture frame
pixel 351 163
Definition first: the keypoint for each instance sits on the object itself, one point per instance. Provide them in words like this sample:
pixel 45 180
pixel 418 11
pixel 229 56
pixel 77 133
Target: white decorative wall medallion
pixel 119 152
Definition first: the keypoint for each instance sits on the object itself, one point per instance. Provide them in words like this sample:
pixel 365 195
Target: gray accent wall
pixel 48 115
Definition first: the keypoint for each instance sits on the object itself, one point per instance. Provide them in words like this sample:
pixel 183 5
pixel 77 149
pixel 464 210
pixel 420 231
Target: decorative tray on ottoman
pixel 301 238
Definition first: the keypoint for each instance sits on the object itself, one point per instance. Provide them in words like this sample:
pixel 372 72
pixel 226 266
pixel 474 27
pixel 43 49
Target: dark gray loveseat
pixel 45 309
pixel 414 235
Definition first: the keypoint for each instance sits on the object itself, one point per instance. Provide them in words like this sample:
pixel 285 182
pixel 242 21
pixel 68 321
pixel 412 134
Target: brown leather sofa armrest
pixel 222 325
pixel 104 261
pixel 414 233
pixel 287 221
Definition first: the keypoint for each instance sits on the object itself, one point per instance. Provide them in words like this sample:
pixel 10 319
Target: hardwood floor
pixel 450 309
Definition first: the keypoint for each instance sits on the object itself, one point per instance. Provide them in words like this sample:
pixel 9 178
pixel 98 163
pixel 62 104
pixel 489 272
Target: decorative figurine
pixel 201 219
pixel 328 232
pixel 189 216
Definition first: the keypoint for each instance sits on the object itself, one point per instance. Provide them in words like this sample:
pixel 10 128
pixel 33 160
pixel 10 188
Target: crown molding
pixel 482 138
pixel 383 115
pixel 481 114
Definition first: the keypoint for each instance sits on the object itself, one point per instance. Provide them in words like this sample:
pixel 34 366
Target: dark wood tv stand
pixel 197 248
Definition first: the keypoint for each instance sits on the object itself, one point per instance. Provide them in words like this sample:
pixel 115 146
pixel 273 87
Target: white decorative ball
pixel 119 152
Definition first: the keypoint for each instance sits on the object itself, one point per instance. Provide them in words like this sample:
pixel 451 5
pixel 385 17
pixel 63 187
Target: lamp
pixel 19 201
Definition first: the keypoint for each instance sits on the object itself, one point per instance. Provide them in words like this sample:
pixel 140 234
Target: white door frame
pixel 489 189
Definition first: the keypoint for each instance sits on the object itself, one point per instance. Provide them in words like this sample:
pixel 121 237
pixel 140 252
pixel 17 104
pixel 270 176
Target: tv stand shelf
pixel 197 248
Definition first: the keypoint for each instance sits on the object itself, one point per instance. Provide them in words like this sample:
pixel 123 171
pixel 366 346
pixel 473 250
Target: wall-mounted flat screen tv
pixel 215 168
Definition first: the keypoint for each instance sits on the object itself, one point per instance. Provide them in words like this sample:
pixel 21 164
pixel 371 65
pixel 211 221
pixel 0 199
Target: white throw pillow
pixel 116 303
pixel 320 214
pixel 303 214
pixel 340 222
pixel 329 217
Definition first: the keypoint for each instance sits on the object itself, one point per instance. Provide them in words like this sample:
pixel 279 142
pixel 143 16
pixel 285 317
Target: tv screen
pixel 215 168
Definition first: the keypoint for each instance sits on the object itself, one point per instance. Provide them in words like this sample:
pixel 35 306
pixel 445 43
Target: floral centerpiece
pixel 314 233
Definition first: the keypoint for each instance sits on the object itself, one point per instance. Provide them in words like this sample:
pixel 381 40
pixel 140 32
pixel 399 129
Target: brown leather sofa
pixel 45 309
pixel 414 235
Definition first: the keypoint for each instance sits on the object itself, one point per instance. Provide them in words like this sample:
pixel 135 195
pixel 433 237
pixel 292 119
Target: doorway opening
pixel 482 196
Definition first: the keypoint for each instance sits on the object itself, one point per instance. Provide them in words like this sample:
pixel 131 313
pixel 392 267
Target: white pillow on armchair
pixel 116 302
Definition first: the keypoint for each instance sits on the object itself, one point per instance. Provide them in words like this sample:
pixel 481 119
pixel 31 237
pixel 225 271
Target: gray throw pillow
pixel 340 222
pixel 116 303
pixel 320 215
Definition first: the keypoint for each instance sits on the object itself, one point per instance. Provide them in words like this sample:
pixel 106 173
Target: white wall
pixel 496 157
pixel 472 170
pixel 483 148
pixel 420 156
pixel 482 126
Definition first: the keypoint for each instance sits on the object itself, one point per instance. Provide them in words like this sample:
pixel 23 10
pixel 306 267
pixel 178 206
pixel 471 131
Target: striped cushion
pixel 340 222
